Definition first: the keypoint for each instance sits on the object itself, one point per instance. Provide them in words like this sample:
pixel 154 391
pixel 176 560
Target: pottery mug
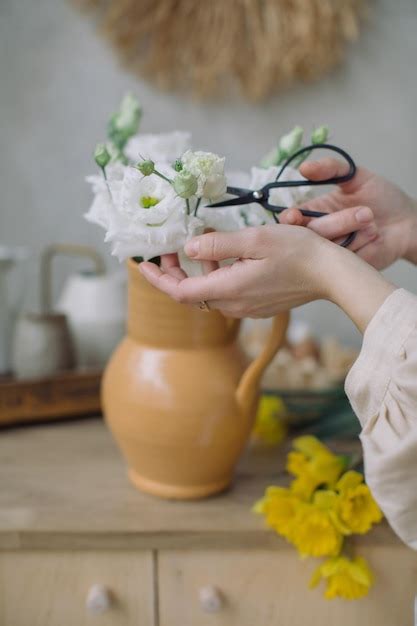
pixel 42 344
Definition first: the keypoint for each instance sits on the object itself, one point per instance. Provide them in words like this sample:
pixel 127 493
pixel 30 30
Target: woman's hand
pixel 391 235
pixel 279 267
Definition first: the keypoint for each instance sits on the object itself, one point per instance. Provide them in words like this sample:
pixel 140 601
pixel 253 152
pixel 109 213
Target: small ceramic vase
pixel 41 345
pixel 178 396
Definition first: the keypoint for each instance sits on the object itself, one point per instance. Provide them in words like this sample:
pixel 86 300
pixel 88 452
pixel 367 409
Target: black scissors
pixel 261 196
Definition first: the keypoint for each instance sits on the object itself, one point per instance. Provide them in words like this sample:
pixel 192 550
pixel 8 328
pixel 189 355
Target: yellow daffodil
pixel 279 506
pixel 304 486
pixel 345 578
pixel 297 463
pixel 356 507
pixel 269 427
pixel 315 531
pixel 310 446
pixel 320 508
pixel 313 465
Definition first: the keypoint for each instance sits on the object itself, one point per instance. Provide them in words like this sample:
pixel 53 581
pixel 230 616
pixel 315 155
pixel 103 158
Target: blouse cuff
pixel 383 341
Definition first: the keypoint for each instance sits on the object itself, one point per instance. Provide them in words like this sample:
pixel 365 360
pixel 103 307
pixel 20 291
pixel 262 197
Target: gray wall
pixel 59 81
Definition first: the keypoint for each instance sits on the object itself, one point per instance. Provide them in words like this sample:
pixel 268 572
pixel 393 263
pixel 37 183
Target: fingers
pixel 324 168
pixel 170 265
pixel 219 246
pixel 342 222
pixel 364 237
pixel 330 167
pixel 169 260
pixel 209 266
pixel 176 272
pixel 294 217
pixel 217 285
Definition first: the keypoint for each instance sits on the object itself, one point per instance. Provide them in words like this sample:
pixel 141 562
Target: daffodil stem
pixel 163 177
pixel 196 207
pixel 187 202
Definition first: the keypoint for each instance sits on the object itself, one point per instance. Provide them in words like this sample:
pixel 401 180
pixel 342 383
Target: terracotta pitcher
pixel 177 396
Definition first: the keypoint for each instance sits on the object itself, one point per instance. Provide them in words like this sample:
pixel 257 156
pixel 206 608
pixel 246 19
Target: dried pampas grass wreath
pixel 213 47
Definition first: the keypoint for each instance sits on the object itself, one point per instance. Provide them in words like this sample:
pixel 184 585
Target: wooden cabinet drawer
pixel 51 588
pixel 269 588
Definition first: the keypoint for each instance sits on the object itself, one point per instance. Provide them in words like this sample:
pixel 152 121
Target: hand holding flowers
pixel 154 190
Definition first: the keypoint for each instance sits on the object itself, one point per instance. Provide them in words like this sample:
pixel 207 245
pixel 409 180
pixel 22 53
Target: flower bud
pixel 101 155
pixel 178 166
pixel 125 123
pixel 185 184
pixel 320 134
pixel 290 142
pixel 146 167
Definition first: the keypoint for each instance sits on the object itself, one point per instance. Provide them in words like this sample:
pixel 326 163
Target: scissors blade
pixel 230 202
pixel 245 196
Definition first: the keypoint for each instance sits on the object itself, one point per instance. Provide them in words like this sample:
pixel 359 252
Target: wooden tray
pixel 69 394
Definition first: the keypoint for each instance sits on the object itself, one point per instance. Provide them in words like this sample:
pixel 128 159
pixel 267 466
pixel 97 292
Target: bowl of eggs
pixel 306 374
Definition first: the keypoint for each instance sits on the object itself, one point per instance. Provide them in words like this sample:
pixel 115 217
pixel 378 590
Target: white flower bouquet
pixel 153 191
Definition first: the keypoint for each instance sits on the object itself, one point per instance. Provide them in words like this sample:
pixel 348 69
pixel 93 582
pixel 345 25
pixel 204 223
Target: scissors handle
pixel 333 180
pixel 307 213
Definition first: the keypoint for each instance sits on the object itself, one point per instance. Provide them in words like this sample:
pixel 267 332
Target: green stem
pixel 187 202
pixel 103 169
pixel 168 180
pixel 196 207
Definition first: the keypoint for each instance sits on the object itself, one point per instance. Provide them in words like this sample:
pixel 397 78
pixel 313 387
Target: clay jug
pixel 176 394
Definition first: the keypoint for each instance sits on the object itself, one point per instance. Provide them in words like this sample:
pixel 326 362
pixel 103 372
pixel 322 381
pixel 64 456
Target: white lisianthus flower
pixel 142 216
pixel 208 168
pixel 149 241
pixel 162 147
pixel 106 194
pixel 149 200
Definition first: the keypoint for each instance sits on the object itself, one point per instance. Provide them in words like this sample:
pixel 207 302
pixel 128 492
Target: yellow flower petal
pixel 325 499
pixel 259 506
pixel 269 427
pixel 313 532
pixel 348 480
pixel 297 463
pixel 345 578
pixel 310 446
pixel 304 486
pixel 357 509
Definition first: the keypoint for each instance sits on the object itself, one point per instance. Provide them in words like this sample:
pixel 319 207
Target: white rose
pixel 162 147
pixel 209 170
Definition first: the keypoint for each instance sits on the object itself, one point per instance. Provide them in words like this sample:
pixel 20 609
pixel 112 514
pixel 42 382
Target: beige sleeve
pixel 382 388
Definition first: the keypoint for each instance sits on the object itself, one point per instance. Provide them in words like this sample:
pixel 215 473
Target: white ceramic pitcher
pixel 94 303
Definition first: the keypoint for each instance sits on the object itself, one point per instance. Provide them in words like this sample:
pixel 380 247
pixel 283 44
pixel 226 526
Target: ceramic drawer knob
pixel 98 599
pixel 211 600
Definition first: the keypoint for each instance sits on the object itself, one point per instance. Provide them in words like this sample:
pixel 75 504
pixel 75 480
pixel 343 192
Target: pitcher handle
pixel 233 325
pixel 46 266
pixel 248 385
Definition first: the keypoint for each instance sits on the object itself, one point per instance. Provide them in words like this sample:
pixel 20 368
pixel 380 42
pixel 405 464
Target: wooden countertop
pixel 64 485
